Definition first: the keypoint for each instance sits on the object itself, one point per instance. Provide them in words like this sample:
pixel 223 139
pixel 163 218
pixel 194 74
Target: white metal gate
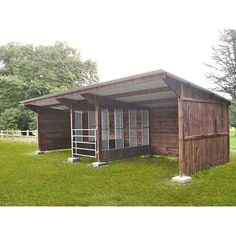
pixel 84 142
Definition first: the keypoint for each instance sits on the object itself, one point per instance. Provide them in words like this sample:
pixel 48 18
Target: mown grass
pixel 232 139
pixel 48 180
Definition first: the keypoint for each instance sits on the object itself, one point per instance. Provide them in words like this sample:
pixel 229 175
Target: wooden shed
pixel 154 113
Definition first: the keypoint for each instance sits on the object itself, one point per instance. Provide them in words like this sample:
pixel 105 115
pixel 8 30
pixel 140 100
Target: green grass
pixel 46 180
pixel 232 139
pixel 12 138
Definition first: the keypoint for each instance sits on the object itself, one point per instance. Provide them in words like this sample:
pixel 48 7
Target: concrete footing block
pixel 182 179
pixel 73 159
pixel 39 152
pixel 98 164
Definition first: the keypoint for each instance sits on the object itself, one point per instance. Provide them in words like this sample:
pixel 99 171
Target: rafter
pixel 141 92
pixel 173 85
pixel 33 107
pixel 81 105
pixel 156 101
pixel 110 103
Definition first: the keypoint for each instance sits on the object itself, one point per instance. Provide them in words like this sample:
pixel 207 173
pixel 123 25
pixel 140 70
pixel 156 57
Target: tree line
pixel 28 71
pixel 223 72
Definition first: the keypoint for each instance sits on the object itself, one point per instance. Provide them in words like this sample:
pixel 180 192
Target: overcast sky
pixel 124 37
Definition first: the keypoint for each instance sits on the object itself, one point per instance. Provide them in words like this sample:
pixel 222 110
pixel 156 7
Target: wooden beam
pixel 141 92
pixel 173 84
pixel 206 136
pixel 204 101
pixel 33 107
pixel 156 101
pixel 36 108
pixel 78 105
pixel 65 101
pixel 53 105
pixel 110 103
pixel 99 132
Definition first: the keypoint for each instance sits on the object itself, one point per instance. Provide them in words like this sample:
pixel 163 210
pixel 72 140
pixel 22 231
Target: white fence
pixel 29 136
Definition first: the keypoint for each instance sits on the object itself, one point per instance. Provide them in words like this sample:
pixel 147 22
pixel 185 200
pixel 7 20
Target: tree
pixel 17 118
pixel 223 72
pixel 233 114
pixel 47 69
pixel 28 71
pixel 12 91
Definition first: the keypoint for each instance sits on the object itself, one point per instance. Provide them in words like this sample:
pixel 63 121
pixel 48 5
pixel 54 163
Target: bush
pixel 18 118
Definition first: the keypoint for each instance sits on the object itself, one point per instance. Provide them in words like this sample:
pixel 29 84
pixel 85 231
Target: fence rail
pixel 29 136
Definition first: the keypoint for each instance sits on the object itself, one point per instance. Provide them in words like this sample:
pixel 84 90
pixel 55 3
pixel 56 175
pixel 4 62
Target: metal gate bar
pixel 78 137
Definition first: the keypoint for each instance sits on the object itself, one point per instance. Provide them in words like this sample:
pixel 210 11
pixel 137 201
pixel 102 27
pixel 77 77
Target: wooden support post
pixel 99 132
pixel 40 151
pixel 228 139
pixel 182 178
pixel 149 131
pixel 181 133
pixel 71 128
pixel 72 159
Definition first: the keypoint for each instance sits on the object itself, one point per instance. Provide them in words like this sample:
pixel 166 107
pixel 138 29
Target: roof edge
pixel 197 86
pixel 127 78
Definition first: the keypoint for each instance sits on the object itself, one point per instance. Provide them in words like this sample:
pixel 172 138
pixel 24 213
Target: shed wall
pixel 206 131
pixel 54 129
pixel 124 153
pixel 164 131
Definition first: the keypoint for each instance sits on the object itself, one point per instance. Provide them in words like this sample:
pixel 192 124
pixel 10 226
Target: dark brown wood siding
pixel 126 127
pixel 114 154
pixel 164 131
pixel 54 129
pixel 195 93
pixel 206 134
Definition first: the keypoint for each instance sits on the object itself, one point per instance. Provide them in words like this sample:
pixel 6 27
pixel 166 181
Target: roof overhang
pixel 149 90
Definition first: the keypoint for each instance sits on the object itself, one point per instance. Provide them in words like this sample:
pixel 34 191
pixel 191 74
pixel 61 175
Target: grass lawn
pixel 28 139
pixel 26 180
pixel 232 140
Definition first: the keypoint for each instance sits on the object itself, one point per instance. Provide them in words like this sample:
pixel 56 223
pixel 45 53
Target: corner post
pixel 228 138
pixel 40 151
pixel 181 131
pixel 182 178
pixel 71 128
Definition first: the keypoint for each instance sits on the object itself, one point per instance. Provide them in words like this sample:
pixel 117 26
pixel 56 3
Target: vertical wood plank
pixel 204 118
pixel 99 131
pixel 39 129
pixel 149 131
pixel 54 129
pixel 164 136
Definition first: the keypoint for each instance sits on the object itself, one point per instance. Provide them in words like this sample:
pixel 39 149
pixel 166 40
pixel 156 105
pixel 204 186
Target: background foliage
pixel 223 72
pixel 28 71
